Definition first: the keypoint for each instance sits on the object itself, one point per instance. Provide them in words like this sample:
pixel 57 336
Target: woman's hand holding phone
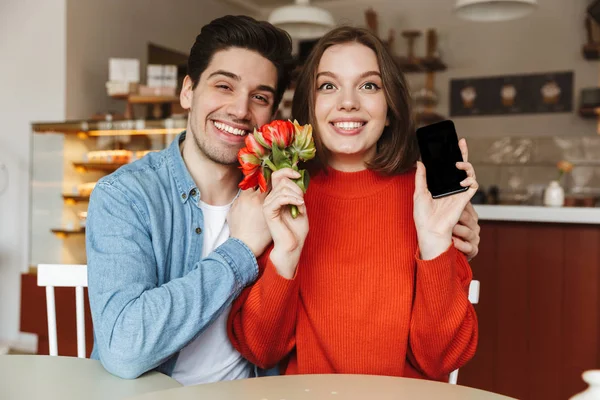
pixel 435 219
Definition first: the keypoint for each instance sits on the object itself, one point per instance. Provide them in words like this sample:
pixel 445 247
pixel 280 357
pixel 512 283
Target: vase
pixel 554 196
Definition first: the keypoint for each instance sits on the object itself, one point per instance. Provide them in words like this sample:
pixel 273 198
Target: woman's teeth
pixel 229 129
pixel 348 125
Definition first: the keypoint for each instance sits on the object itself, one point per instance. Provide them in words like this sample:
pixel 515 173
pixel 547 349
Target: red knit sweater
pixel 361 301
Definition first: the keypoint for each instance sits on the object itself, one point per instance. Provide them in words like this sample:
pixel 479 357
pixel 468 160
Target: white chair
pixel 62 275
pixel 474 299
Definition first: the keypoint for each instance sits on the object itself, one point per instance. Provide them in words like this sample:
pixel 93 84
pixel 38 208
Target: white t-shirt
pixel 211 357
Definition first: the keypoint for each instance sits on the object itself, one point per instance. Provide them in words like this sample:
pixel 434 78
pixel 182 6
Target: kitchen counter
pixel 573 215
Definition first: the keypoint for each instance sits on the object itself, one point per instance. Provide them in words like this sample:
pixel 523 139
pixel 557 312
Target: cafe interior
pixel 88 86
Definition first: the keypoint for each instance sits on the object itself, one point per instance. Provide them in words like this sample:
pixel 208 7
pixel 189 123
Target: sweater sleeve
pixel 262 321
pixel 443 329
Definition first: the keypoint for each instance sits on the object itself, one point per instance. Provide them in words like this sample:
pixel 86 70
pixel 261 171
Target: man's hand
pixel 465 234
pixel 247 222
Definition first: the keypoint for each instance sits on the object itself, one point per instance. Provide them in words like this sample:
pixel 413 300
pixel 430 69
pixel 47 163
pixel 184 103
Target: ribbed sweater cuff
pixel 279 288
pixel 438 272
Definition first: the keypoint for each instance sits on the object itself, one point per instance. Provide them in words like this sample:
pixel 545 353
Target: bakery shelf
pixel 86 128
pixel 64 233
pixel 97 166
pixel 74 198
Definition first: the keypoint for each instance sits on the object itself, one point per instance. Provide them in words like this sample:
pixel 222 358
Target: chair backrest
pixel 64 275
pixel 474 299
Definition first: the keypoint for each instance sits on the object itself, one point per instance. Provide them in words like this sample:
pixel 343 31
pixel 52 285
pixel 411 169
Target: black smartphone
pixel 440 152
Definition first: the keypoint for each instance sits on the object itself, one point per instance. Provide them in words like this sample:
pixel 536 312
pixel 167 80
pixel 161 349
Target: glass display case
pixel 68 158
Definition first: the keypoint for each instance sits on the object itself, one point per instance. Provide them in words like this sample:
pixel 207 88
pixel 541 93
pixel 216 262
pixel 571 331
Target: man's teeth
pixel 229 129
pixel 348 125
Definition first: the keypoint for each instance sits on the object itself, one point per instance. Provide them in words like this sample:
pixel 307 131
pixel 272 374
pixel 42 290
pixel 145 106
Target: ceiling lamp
pixel 493 10
pixel 301 20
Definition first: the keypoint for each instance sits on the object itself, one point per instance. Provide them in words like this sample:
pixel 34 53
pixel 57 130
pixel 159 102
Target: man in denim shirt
pixel 168 248
pixel 167 251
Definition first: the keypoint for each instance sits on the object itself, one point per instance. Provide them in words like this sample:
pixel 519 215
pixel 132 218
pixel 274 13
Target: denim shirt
pixel 150 291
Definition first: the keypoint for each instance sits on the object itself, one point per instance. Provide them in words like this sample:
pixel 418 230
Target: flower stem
pixel 294 211
pixel 270 164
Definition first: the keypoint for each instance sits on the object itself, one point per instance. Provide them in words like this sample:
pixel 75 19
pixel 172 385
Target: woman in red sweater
pixel 377 286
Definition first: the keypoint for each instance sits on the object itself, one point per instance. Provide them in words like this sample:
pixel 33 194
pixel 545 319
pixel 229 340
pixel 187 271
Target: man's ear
pixel 187 92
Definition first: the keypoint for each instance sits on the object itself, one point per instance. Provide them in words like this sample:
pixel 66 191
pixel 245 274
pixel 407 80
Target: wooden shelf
pixel 589 112
pixel 591 52
pixel 137 99
pixel 155 101
pixel 73 198
pixel 97 166
pixel 64 233
pixel 420 64
pixel 86 128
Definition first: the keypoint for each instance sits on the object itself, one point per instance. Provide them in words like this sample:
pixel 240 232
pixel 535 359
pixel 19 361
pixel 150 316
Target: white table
pixel 324 387
pixel 66 378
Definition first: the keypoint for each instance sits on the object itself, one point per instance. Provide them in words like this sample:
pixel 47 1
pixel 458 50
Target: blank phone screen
pixel 440 153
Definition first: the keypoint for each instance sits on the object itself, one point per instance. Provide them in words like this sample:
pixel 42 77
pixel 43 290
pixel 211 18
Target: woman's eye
pixel 326 86
pixel 370 86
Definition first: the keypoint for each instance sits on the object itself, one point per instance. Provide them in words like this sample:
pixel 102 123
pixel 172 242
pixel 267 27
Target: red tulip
pixel 250 181
pixel 262 181
pixel 245 156
pixel 254 177
pixel 255 147
pixel 278 132
pixel 249 164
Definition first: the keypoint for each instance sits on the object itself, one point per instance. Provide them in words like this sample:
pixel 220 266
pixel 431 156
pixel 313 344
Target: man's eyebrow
pixel 227 74
pixel 237 78
pixel 267 88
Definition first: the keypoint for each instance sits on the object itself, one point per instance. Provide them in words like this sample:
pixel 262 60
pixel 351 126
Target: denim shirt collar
pixel 181 175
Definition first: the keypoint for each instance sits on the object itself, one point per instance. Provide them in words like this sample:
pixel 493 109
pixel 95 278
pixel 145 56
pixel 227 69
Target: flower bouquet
pixel 276 145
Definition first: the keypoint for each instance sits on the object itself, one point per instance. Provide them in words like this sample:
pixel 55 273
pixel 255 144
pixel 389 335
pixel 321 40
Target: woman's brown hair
pixel 397 150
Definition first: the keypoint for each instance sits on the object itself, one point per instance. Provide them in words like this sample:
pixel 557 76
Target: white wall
pixel 550 39
pixel 32 82
pixel 54 65
pixel 97 30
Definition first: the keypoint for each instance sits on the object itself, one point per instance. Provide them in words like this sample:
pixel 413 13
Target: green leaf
pixel 267 174
pixel 279 158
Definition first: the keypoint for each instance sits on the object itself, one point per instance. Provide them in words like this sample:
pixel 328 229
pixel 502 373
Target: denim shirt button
pixel 193 192
pixel 198 231
pixel 183 196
